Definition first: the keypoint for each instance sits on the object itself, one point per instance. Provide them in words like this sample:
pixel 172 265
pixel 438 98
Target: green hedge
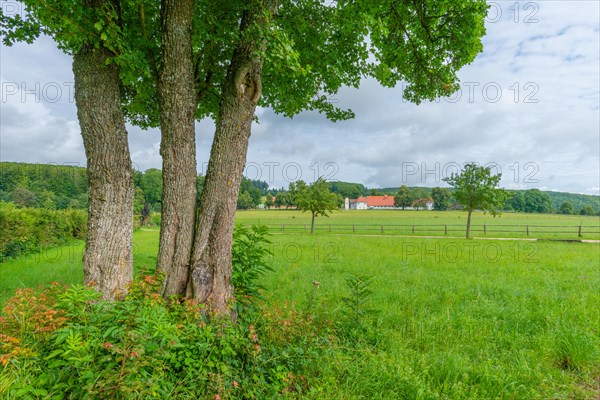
pixel 27 230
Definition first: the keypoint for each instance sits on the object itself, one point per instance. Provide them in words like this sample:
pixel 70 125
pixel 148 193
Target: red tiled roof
pixel 380 201
pixel 360 199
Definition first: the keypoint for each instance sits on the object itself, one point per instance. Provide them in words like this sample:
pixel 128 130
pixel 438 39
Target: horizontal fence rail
pixel 510 230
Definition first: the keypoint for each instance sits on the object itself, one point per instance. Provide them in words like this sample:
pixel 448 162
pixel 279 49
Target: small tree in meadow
pixel 477 189
pixel 317 199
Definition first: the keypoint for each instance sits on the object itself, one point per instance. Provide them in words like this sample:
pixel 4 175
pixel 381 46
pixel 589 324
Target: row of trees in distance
pixel 65 187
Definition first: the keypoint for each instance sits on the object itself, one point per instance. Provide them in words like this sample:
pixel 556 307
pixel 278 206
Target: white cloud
pixel 544 125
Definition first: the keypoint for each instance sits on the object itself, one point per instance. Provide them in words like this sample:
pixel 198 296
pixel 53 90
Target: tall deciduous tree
pixel 289 55
pixel 441 198
pixel 89 30
pixel 404 198
pixel 317 199
pixel 477 189
pixel 537 201
pixel 269 201
pixel 210 278
pixel 566 207
pixel 177 105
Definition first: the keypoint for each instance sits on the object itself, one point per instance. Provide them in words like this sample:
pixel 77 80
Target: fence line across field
pixel 445 229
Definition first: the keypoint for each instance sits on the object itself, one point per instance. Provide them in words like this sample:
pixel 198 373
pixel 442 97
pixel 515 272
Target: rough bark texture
pixel 108 258
pixel 178 148
pixel 210 278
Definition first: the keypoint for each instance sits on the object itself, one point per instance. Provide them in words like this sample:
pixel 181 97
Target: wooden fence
pixel 480 230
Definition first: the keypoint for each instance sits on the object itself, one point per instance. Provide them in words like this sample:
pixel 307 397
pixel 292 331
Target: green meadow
pixel 454 319
pixel 429 223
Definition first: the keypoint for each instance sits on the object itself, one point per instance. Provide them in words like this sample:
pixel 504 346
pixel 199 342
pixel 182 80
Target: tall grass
pixel 457 319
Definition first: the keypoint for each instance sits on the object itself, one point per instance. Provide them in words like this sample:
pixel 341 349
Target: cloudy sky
pixel 529 107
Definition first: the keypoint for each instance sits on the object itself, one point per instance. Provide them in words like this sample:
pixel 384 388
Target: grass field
pixel 457 319
pixel 429 223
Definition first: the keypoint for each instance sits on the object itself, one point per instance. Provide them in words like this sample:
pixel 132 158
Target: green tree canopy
pixel 567 208
pixel 537 201
pixel 441 198
pixel 404 198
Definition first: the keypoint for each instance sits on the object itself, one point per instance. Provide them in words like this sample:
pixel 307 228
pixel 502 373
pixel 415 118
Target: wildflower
pixel 108 345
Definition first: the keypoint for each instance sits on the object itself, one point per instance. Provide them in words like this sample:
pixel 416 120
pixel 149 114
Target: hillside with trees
pixel 61 187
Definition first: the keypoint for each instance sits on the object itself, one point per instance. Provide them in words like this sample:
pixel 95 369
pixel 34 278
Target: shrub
pixel 64 342
pixel 26 230
pixel 249 252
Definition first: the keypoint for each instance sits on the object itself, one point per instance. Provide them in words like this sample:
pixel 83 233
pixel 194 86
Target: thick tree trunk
pixel 178 145
pixel 210 279
pixel 107 262
pixel 469 225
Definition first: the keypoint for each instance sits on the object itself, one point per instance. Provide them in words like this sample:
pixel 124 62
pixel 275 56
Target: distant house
pixel 356 204
pixel 384 202
pixel 370 202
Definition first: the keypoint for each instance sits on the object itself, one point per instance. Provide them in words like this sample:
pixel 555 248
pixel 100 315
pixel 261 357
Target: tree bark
pixel 107 261
pixel 210 278
pixel 312 224
pixel 469 225
pixel 178 145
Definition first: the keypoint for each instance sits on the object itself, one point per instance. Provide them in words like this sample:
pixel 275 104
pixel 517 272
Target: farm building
pixel 384 202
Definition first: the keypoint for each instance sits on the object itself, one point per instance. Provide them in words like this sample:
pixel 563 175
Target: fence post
pixel 580 234
pixel 445 229
pixel 413 229
pixel 527 226
pixel 352 228
pixel 381 228
pixel 282 227
pixel 484 229
pixel 304 227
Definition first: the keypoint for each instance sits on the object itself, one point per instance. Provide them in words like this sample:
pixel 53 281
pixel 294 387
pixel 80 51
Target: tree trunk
pixel 210 279
pixel 178 145
pixel 312 224
pixel 107 261
pixel 469 224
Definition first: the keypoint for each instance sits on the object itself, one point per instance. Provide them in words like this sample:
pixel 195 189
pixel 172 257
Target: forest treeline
pixel 60 187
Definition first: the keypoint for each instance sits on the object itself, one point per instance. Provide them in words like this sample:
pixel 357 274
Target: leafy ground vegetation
pixel 320 316
pixel 28 230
